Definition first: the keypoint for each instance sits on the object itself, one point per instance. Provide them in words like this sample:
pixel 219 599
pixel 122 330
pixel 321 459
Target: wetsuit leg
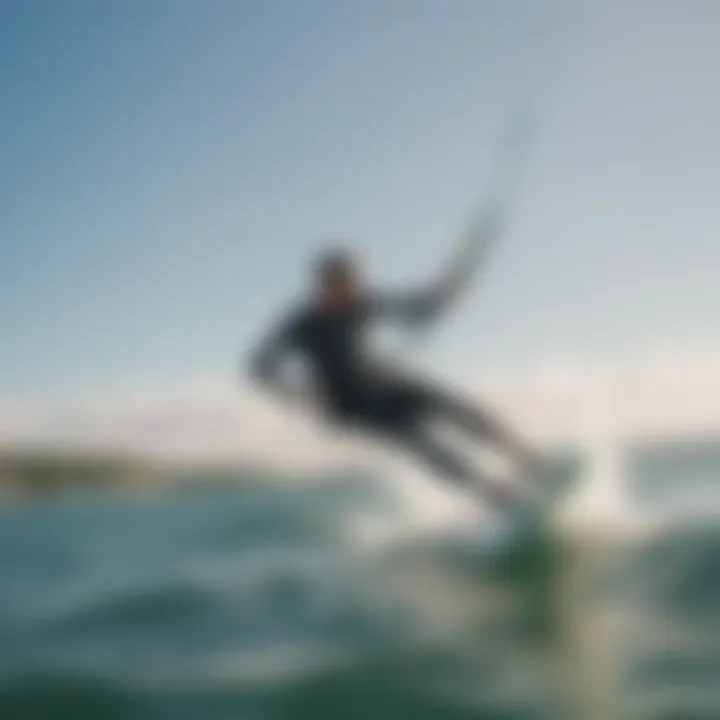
pixel 479 421
pixel 438 457
pixel 407 407
pixel 450 465
pixel 401 416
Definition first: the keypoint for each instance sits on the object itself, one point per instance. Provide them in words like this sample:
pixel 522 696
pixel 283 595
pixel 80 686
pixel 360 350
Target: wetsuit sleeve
pixel 267 359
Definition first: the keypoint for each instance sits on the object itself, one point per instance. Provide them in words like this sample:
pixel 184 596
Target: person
pixel 329 332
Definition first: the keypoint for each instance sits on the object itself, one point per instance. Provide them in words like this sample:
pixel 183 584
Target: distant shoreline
pixel 37 474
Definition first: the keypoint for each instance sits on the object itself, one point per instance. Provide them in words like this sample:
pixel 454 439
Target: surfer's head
pixel 337 278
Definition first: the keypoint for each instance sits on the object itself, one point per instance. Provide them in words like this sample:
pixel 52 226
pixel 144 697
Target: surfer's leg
pixel 450 465
pixel 406 407
pixel 482 423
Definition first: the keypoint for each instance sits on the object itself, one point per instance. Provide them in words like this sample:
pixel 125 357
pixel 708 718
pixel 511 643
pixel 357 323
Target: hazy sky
pixel 167 166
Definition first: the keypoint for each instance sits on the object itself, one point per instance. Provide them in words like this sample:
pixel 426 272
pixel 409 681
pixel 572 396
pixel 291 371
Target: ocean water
pixel 300 600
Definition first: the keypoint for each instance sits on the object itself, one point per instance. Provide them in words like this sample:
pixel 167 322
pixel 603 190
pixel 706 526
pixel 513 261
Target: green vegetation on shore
pixel 35 473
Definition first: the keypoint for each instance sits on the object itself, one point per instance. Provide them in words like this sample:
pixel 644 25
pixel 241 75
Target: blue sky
pixel 167 167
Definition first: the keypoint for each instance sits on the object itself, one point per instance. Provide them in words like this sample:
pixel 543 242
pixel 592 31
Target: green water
pixel 266 603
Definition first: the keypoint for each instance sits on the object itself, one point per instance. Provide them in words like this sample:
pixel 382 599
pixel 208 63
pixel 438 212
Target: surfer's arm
pixel 426 304
pixel 415 306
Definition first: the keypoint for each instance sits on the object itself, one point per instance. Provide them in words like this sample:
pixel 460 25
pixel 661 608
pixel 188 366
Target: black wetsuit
pixel 354 392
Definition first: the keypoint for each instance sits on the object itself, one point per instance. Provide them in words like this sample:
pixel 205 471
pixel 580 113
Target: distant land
pixel 35 474
pixel 30 474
